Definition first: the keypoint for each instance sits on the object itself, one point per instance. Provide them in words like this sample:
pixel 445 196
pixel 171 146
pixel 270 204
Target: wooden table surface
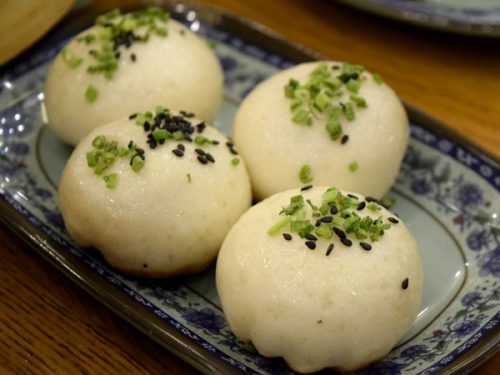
pixel 50 326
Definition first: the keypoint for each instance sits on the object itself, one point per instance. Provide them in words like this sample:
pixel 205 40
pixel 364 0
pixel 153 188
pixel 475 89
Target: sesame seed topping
pixel 393 220
pixel 311 245
pixel 199 151
pixel 307 187
pixel 334 210
pixel 215 142
pixel 132 116
pixel 210 157
pixel 339 232
pixel 145 265
pixel 405 283
pixel 202 159
pixel 361 206
pixel 352 196
pixel 187 114
pixel 287 236
pixel 311 237
pixel 344 139
pixel 178 152
pixel 327 219
pixel 200 127
pixel 366 246
pixel 330 249
pixel 133 57
pixel 371 199
pixel 180 146
pixel 346 241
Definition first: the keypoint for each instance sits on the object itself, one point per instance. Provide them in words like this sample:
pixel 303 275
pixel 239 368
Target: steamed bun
pixel 333 124
pixel 174 67
pixel 320 298
pixel 155 203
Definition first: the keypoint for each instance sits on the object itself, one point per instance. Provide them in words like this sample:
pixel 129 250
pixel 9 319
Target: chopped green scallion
pixel 72 60
pixel 305 174
pixel 91 94
pixel 283 222
pixel 137 164
pixel 111 180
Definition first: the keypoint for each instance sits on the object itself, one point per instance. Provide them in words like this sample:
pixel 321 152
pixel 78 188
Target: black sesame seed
pixel 405 283
pixel 229 144
pixel 339 232
pixel 187 114
pixel 202 159
pixel 327 219
pixel 141 156
pixel 365 245
pixel 178 152
pixel 146 126
pixel 215 142
pixel 329 250
pixel 371 199
pixel 199 151
pixel 352 196
pixel 318 223
pixel 145 265
pixel 188 138
pixel 335 67
pixel 130 144
pixel 180 146
pixel 361 206
pixel 133 57
pixel 132 116
pixel 334 210
pixel 287 236
pixel 139 150
pixel 311 237
pixel 233 151
pixel 200 127
pixel 311 245
pixel 152 144
pixel 210 157
pixel 117 55
pixel 393 220
pixel 344 139
pixel 346 241
pixel 307 187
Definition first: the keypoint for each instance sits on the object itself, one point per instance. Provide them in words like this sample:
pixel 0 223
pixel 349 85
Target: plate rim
pixel 430 20
pixel 152 325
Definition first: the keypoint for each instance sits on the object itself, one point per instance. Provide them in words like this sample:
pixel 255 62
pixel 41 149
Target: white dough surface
pixel 341 311
pixel 178 71
pixel 159 217
pixel 275 148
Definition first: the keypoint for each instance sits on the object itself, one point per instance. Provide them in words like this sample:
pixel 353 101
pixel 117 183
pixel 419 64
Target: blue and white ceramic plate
pixel 447 192
pixel 472 17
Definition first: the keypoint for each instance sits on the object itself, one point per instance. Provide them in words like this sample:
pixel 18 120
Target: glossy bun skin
pixel 179 70
pixel 344 310
pixel 275 148
pixel 167 219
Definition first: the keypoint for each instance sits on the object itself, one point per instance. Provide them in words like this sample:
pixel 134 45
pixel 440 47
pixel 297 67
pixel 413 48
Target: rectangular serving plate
pixel 183 314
